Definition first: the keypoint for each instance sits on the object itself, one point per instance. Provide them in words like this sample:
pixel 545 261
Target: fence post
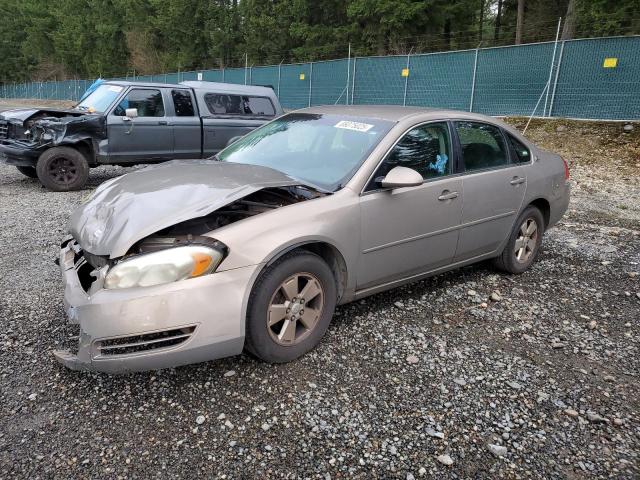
pixel 251 75
pixel 223 74
pixel 353 79
pixel 279 68
pixel 553 60
pixel 406 79
pixel 246 64
pixel 555 81
pixel 473 81
pixel 310 81
pixel 348 73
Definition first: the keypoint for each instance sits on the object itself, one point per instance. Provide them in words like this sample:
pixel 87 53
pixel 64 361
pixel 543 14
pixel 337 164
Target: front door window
pixel 425 149
pixel 148 102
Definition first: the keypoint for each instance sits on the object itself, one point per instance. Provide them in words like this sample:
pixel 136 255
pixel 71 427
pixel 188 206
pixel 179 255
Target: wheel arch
pixel 328 252
pixel 544 206
pixel 84 146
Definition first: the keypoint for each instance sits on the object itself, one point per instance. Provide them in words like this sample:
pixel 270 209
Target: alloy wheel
pixel 295 308
pixel 62 170
pixel 527 240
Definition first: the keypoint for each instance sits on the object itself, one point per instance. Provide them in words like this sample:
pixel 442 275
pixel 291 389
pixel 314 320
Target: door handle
pixel 162 122
pixel 447 195
pixel 517 180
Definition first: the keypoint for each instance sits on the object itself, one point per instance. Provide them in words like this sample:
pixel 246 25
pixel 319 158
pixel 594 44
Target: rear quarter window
pixel 522 152
pixel 247 105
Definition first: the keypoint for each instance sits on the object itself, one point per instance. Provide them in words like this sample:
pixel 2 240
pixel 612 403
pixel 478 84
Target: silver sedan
pixel 189 261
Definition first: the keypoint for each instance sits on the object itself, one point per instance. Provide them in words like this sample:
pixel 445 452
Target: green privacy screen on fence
pixel 588 78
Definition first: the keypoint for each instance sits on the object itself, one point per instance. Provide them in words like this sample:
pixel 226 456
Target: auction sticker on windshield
pixel 114 88
pixel 357 126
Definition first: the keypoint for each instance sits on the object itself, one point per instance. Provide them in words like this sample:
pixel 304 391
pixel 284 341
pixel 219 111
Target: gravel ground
pixel 469 374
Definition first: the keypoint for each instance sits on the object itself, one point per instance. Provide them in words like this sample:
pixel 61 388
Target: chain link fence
pixel 586 78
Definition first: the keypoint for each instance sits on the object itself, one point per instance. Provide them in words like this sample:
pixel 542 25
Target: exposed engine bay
pixel 191 231
pixel 52 126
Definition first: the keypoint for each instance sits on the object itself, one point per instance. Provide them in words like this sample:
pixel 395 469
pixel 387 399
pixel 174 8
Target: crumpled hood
pixel 22 114
pixel 131 207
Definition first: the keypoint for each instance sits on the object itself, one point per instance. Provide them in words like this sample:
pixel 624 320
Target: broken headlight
pixel 164 266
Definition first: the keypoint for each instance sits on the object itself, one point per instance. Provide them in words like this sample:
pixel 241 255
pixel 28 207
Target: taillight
pixel 566 169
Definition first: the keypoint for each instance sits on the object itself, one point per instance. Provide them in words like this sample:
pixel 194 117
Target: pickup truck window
pixel 182 103
pixel 148 103
pixel 222 103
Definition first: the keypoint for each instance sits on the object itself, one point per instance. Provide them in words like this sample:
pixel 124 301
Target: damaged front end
pixel 24 135
pixel 149 289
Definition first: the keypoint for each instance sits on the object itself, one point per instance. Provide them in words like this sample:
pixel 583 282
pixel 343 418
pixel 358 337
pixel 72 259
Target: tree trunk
pixel 569 29
pixel 447 34
pixel 496 32
pixel 481 26
pixel 520 22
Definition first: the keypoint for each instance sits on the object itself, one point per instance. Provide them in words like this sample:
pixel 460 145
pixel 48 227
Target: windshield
pixel 100 99
pixel 323 150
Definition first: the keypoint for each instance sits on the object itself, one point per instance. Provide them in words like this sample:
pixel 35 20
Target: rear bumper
pixel 20 154
pixel 208 314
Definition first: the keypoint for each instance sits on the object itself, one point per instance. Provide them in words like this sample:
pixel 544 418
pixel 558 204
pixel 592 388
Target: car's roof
pixel 229 87
pixel 394 113
pixel 127 83
pixel 200 85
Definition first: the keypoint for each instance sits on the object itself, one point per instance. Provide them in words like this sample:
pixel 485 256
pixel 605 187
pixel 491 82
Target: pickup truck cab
pixel 128 123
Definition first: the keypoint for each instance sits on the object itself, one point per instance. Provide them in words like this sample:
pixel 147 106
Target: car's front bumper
pixel 22 154
pixel 155 327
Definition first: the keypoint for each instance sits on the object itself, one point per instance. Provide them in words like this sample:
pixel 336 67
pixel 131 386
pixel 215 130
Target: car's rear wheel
pixel 62 169
pixel 28 171
pixel 290 307
pixel 524 242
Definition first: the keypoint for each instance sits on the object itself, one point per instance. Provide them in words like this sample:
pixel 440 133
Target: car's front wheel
pixel 62 169
pixel 524 242
pixel 28 171
pixel 290 307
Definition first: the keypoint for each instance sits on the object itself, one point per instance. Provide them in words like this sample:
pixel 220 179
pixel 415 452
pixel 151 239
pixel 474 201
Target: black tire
pixel 28 171
pixel 508 261
pixel 259 336
pixel 62 169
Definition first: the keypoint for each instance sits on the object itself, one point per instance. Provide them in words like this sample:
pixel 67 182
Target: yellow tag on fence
pixel 405 72
pixel 610 63
pixel 302 76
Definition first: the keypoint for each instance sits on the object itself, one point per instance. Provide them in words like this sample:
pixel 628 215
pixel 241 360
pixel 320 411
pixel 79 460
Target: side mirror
pixel 400 177
pixel 131 113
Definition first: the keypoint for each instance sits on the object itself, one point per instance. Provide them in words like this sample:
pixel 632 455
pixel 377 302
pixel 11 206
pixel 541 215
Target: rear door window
pixel 182 103
pixel 482 145
pixel 226 104
pixel 148 102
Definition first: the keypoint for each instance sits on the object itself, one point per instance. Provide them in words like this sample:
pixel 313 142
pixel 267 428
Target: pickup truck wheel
pixel 28 171
pixel 62 169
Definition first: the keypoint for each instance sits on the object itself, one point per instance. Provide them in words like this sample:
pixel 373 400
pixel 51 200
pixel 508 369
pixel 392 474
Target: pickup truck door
pixel 225 116
pixel 187 129
pixel 146 138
